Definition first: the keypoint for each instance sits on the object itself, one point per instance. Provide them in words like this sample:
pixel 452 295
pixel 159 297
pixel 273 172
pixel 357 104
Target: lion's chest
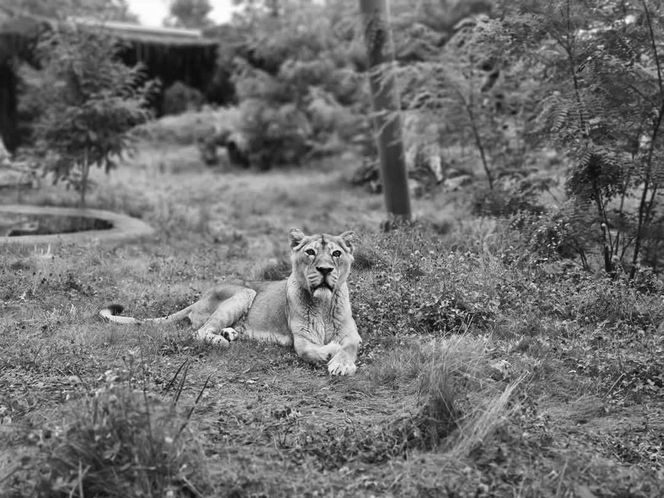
pixel 323 322
pixel 321 326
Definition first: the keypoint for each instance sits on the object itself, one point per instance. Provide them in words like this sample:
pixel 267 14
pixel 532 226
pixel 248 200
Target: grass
pixel 483 373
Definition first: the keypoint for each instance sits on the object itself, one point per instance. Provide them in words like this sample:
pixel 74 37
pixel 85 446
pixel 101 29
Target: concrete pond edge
pixel 125 228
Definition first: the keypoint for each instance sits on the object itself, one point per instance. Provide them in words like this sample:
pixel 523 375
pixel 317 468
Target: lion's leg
pixel 314 353
pixel 227 313
pixel 343 361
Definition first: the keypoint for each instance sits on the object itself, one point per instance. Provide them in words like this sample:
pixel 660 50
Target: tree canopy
pixel 110 10
pixel 189 14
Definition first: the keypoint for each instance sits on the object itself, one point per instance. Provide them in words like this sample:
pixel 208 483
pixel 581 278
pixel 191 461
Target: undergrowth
pixel 117 443
pixel 117 439
pixel 485 366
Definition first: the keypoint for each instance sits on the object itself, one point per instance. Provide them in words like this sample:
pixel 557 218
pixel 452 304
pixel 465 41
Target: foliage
pixel 584 77
pixel 118 443
pixel 439 15
pixel 106 10
pixel 87 103
pixel 558 233
pixel 601 103
pixel 294 78
pixel 179 98
pixel 462 82
pixel 189 13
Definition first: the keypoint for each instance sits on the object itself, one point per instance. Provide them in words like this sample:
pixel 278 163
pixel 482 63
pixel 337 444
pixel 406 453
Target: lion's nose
pixel 324 270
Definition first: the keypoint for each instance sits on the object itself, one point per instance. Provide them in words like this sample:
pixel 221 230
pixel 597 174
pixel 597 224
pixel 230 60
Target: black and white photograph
pixel 332 248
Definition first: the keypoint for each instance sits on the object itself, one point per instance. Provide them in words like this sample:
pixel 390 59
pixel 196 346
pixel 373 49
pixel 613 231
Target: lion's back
pixel 267 318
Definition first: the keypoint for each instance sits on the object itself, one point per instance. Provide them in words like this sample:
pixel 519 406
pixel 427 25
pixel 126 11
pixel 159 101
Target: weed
pixel 120 443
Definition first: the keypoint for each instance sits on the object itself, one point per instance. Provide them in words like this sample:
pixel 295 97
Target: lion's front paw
pixel 230 334
pixel 341 364
pixel 328 351
pixel 209 337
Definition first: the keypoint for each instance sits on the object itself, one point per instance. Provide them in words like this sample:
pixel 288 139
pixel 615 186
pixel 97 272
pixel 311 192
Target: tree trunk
pixel 85 172
pixel 386 107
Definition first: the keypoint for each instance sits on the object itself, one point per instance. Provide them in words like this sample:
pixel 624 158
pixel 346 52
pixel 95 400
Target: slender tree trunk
pixel 85 172
pixel 478 139
pixel 386 108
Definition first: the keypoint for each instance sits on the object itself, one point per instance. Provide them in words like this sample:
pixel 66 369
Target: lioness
pixel 310 309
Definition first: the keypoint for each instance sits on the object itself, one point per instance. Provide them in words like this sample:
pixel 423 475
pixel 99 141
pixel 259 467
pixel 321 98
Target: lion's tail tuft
pixel 115 309
pixel 111 314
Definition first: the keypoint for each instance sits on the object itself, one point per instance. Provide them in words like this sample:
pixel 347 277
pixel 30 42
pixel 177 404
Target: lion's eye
pixel 310 252
pixel 336 253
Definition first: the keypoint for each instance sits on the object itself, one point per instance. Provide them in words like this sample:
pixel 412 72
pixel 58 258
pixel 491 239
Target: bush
pixel 295 87
pixel 599 101
pixel 405 293
pixel 87 102
pixel 119 444
pixel 179 98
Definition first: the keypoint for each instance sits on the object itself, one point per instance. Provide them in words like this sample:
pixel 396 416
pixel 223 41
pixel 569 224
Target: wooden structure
pixel 168 54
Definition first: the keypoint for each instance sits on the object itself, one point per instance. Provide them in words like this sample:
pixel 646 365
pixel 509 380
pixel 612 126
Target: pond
pixel 16 225
pixel 26 224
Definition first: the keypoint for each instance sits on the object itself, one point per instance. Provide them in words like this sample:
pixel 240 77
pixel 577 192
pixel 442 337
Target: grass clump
pixel 459 405
pixel 120 443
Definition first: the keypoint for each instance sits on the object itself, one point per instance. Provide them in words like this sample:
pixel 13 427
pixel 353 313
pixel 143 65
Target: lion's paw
pixel 230 334
pixel 341 364
pixel 209 337
pixel 329 351
pixel 217 341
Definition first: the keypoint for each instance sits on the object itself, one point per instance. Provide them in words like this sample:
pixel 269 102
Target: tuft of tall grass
pixel 459 405
pixel 120 443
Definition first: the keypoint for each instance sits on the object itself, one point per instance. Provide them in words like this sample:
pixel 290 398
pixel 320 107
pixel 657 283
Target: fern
pixel 604 107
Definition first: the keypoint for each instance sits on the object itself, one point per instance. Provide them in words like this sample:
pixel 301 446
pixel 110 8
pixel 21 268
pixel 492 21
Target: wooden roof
pixel 145 34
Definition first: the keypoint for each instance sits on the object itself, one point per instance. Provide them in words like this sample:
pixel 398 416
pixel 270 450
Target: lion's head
pixel 321 262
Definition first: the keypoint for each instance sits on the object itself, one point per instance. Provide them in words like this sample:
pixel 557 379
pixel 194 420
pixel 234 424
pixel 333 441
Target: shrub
pixel 87 102
pixel 118 443
pixel 559 233
pixel 287 117
pixel 599 102
pixel 295 86
pixel 179 98
pixel 417 286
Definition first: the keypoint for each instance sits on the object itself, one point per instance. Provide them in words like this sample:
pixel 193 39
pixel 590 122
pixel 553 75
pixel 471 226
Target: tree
pixel 386 106
pixel 87 102
pixel 190 13
pixel 105 10
pixel 602 104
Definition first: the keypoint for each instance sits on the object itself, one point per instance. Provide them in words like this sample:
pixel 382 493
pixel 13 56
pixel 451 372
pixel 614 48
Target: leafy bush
pixel 295 84
pixel 179 98
pixel 482 105
pixel 421 284
pixel 87 102
pixel 118 443
pixel 599 101
pixel 558 233
pixel 404 293
pixel 184 129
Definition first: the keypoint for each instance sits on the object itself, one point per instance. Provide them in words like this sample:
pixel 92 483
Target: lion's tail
pixel 111 313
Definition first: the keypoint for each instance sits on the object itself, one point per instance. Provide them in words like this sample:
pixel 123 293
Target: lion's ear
pixel 347 238
pixel 295 237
